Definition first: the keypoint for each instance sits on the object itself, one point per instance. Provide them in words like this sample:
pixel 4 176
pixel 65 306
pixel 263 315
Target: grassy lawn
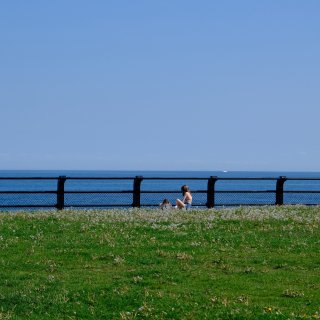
pixel 243 263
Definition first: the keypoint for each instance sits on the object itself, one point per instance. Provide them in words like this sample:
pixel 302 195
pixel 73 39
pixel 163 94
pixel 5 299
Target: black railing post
pixel 136 191
pixel 60 192
pixel 279 190
pixel 210 192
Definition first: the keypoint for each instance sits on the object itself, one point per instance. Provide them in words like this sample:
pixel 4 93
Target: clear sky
pixel 160 84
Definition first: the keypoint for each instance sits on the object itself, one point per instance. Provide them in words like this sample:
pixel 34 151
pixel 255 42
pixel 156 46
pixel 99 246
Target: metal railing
pixel 124 192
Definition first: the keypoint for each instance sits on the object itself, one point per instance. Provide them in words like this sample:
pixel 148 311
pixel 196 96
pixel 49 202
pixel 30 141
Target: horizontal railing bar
pixel 96 205
pixel 100 178
pixel 69 205
pixel 303 178
pixel 28 192
pixel 154 191
pixel 70 192
pixel 67 178
pixel 28 206
pixel 131 191
pixel 157 205
pixel 217 191
pixel 97 191
pixel 132 178
pixel 145 178
pixel 254 178
pixel 301 191
pixel 29 178
pixel 241 204
pixel 225 178
pixel 169 191
pixel 245 191
pixel 246 179
pixel 174 178
pixel 160 178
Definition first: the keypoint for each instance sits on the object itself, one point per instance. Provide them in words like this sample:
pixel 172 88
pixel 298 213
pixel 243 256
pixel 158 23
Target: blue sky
pixel 160 85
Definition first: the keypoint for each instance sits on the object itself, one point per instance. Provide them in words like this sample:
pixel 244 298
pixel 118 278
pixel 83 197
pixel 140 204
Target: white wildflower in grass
pixel 184 256
pixel 137 279
pixel 127 315
pixel 214 299
pixel 195 244
pixel 249 270
pixel 243 299
pixel 290 293
pixel 118 260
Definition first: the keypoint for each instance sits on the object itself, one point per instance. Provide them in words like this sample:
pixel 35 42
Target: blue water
pixel 170 188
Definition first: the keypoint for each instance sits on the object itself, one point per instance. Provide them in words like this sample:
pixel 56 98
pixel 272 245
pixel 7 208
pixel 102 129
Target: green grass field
pixel 243 263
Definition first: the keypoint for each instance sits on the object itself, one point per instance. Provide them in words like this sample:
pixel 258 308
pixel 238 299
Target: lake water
pixel 169 188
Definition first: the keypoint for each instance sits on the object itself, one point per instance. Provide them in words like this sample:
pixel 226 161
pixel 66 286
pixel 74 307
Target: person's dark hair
pixel 184 189
pixel 165 201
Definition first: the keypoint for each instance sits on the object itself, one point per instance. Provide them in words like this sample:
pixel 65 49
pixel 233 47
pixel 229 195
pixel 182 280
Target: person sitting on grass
pixel 187 198
pixel 165 204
